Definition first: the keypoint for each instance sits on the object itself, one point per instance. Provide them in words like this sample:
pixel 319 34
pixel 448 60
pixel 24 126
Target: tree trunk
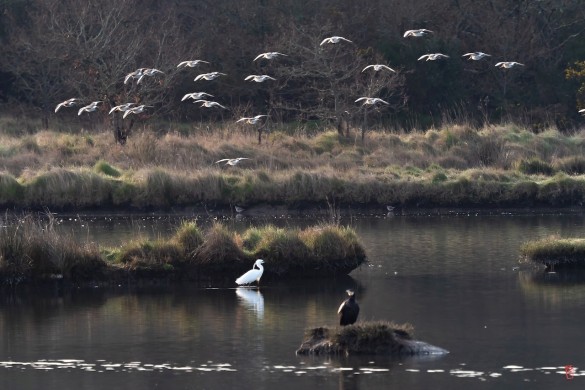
pixel 120 134
pixel 365 125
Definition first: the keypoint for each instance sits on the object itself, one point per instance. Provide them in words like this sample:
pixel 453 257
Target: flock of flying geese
pixel 202 97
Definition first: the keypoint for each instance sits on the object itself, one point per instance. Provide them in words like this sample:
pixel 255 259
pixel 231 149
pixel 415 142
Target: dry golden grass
pixel 161 169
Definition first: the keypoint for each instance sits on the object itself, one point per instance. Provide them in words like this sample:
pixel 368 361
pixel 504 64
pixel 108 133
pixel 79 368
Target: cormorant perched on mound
pixel 349 310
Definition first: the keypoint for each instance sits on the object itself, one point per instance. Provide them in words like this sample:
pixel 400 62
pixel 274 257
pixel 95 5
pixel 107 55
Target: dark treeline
pixel 56 49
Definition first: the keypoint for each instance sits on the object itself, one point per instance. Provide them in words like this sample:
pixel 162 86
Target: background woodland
pixel 56 49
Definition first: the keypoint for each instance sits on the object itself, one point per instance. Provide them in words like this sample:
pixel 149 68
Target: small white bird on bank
pixel 232 161
pixel 582 111
pixel 150 72
pixel 252 120
pixel 433 57
pixel 196 96
pixel 476 55
pixel 191 63
pixel 135 110
pixel 209 76
pixel 269 55
pixel 371 101
pixel 334 39
pixel 378 67
pixel 508 64
pixel 89 108
pixel 253 275
pixel 209 104
pixel 239 209
pixel 259 78
pixel 67 103
pixel 122 107
pixel 421 32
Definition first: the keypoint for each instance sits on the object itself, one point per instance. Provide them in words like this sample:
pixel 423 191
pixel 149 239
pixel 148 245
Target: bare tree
pixel 87 48
pixel 323 81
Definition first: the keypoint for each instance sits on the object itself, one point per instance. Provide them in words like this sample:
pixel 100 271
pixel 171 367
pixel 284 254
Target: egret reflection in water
pixel 252 300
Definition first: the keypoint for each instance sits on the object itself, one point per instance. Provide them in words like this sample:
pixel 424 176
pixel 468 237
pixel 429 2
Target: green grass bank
pixel 32 251
pixel 455 166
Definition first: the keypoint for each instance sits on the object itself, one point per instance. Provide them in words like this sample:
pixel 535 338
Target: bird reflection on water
pixel 252 300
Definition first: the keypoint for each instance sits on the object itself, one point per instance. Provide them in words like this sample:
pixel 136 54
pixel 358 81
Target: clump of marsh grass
pixel 283 248
pixel 371 338
pixel 31 249
pixel 189 237
pixel 105 168
pixel 555 252
pixel 10 189
pixel 152 254
pixel 535 166
pixel 60 187
pixel 334 245
pixel 219 249
pixel 574 165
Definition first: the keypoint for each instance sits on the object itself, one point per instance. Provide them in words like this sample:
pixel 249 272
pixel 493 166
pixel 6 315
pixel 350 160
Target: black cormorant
pixel 349 310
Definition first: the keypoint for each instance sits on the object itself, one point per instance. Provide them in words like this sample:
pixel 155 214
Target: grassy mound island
pixel 173 165
pixel 555 253
pixel 33 251
pixel 366 338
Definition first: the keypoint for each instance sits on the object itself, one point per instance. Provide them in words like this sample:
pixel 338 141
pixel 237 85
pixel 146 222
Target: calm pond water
pixel 454 278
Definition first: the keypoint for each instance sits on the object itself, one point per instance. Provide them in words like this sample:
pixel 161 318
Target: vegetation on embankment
pixel 503 166
pixel 555 252
pixel 31 250
pixel 366 338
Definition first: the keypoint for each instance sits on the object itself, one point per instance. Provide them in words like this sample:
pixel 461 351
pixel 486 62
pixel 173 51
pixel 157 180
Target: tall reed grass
pixel 31 249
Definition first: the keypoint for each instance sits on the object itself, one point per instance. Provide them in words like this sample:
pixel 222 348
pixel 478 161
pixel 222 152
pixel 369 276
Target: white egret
pixel 191 63
pixel 89 108
pixel 433 56
pixel 150 72
pixel 582 111
pixel 349 310
pixel 259 78
pixel 508 64
pixel 67 103
pixel 209 104
pixel 378 67
pixel 252 275
pixel 476 55
pixel 232 161
pixel 196 96
pixel 239 209
pixel 421 32
pixel 122 107
pixel 252 120
pixel 371 101
pixel 269 55
pixel 334 39
pixel 209 76
pixel 135 110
